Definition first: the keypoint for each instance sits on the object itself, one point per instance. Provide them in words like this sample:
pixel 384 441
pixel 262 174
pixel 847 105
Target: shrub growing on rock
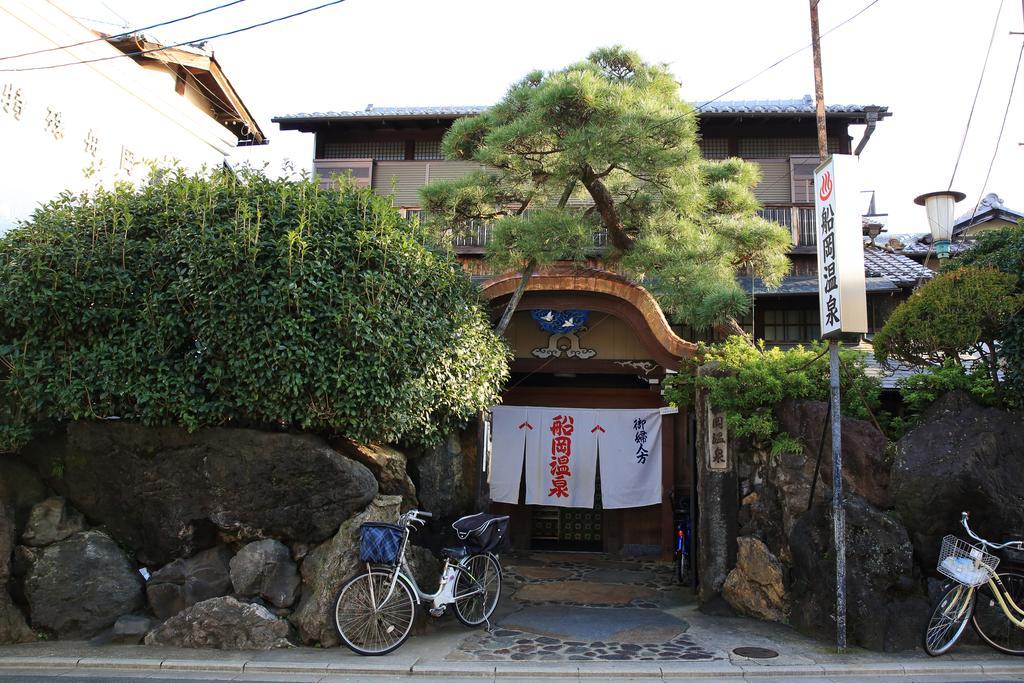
pixel 215 298
pixel 757 379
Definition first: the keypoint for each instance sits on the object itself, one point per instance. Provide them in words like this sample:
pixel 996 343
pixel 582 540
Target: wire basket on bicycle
pixel 965 563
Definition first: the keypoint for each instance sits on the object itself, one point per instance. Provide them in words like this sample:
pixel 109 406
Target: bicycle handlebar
pixel 964 516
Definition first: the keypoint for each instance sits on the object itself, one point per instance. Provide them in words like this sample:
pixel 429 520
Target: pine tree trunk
pixel 510 308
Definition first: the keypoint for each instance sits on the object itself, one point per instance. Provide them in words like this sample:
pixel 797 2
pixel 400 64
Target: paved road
pixel 127 676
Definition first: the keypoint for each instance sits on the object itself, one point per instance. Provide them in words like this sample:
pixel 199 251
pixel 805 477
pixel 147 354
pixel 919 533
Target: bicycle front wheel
pixel 477 589
pixel 948 620
pixel 368 620
pixel 991 622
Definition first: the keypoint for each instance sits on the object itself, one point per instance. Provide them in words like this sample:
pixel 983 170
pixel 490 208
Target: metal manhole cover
pixel 755 652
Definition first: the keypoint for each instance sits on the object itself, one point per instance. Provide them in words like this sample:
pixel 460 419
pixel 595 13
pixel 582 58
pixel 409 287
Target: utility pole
pixel 838 510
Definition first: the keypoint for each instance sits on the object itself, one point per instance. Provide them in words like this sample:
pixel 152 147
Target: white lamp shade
pixel 939 207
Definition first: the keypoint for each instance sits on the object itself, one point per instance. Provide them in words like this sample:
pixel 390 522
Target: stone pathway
pixel 580 607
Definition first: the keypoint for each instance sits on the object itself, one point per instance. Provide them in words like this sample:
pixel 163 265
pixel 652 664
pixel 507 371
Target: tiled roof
pixel 902 270
pixel 917 243
pixel 388 113
pixel 808 284
pixel 804 105
pixel 991 206
pixel 776 107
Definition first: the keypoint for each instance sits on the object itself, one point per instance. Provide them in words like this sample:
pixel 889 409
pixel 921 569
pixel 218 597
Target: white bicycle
pixel 375 610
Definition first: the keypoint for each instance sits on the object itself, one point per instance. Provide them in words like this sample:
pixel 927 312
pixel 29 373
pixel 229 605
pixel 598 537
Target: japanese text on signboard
pixel 640 437
pixel 561 451
pixel 718 438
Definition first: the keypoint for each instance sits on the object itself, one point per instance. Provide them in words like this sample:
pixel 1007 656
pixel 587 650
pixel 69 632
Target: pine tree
pixel 608 144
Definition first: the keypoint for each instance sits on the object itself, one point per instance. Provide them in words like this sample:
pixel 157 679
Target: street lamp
pixel 939 206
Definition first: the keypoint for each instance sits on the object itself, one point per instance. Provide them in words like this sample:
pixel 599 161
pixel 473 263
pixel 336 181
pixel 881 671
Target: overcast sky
pixel 920 58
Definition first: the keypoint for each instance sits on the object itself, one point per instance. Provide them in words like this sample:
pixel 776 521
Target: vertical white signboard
pixel 841 293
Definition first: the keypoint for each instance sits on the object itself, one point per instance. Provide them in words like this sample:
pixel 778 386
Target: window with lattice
pixel 714 148
pixel 428 150
pixel 790 326
pixel 780 148
pixel 390 150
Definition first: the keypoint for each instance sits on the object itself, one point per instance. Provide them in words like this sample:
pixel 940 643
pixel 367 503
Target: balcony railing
pixel 799 219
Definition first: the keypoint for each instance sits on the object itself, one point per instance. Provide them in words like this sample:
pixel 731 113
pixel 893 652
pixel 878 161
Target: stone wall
pixel 900 500
pixel 228 538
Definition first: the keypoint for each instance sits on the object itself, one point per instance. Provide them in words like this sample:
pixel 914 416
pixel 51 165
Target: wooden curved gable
pixel 598 291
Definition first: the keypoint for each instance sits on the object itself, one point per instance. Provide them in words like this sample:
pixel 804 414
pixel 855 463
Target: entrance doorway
pixel 570 529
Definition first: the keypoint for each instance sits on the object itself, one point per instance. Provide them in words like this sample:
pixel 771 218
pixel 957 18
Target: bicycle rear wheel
pixel 368 623
pixel 948 620
pixel 991 622
pixel 477 589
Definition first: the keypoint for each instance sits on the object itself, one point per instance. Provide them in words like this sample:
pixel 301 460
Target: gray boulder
pixel 13 628
pixel 445 476
pixel 130 629
pixel 50 521
pixel 388 465
pixel 886 606
pixel 167 493
pixel 222 623
pixel 265 569
pixel 330 564
pixel 80 586
pixel 866 462
pixel 20 487
pixel 185 582
pixel 755 586
pixel 962 456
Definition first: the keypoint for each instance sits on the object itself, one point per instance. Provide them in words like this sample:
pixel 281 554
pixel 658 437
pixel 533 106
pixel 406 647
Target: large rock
pixel 755 586
pixel 222 623
pixel 329 565
pixel 388 466
pixel 185 582
pixel 20 487
pixel 886 607
pixel 13 628
pixel 445 476
pixel 866 463
pixel 50 521
pixel 80 586
pixel 265 569
pixel 961 457
pixel 166 493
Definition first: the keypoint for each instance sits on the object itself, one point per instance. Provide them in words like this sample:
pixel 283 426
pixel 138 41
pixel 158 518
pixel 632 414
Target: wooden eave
pixel 227 107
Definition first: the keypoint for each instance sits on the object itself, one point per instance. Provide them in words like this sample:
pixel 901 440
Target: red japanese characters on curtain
pixel 562 449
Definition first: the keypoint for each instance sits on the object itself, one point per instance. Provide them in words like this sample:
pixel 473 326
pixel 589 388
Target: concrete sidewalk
pixel 425 657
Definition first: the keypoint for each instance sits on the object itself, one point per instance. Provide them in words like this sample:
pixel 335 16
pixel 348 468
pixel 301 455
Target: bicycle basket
pixel 965 563
pixel 483 532
pixel 379 543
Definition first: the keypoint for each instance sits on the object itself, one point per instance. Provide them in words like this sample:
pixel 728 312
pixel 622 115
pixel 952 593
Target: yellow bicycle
pixel 993 601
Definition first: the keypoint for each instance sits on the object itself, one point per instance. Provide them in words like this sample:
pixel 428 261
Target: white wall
pixel 110 113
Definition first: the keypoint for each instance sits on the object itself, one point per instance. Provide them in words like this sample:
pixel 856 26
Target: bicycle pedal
pixel 436 611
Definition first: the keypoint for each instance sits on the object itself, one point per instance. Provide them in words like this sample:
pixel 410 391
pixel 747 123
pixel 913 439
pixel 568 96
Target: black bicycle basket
pixel 380 543
pixel 483 532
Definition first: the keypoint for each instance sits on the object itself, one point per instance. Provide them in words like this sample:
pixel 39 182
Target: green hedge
pixel 216 298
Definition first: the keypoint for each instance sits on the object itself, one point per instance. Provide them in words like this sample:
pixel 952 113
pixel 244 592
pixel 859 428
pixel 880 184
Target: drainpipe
pixel 871 116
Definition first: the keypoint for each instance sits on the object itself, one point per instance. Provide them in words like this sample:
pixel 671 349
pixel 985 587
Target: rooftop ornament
pixel 939 207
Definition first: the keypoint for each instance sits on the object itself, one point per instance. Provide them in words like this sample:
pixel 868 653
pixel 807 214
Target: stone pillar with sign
pixel 717 495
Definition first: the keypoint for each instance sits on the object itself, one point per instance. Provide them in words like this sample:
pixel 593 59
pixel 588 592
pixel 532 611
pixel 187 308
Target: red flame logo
pixel 826 186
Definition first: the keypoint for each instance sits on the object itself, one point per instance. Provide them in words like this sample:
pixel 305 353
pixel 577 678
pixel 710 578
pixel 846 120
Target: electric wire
pixel 999 138
pixel 791 54
pixel 126 34
pixel 179 44
pixel 977 90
